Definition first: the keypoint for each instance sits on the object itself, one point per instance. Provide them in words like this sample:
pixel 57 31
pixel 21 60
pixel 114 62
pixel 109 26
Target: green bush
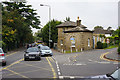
pixel 110 44
pixel 117 42
pixel 104 45
pixel 119 49
pixel 99 45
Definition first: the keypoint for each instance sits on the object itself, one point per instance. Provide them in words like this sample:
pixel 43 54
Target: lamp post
pixel 49 19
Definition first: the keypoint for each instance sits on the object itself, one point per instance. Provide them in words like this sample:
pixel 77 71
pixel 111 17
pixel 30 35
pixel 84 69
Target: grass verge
pixel 113 46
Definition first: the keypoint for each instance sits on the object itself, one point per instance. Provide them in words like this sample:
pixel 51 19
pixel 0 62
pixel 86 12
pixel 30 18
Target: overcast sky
pixel 91 12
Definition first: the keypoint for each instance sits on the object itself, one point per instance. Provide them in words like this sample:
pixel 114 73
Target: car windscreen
pixel 45 48
pixel 32 50
pixel 1 51
pixel 116 74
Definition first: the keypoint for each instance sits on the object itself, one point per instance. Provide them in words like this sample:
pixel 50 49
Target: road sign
pixel 108 41
pixel 50 40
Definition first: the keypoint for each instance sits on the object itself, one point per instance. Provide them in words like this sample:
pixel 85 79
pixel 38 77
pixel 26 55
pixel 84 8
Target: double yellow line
pixel 48 59
pixel 51 59
pixel 13 63
pixel 104 58
pixel 6 68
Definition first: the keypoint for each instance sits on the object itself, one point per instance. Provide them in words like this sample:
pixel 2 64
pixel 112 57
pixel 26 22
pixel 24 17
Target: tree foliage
pixel 17 20
pixel 119 34
pixel 98 27
pixel 67 19
pixel 25 11
pixel 53 32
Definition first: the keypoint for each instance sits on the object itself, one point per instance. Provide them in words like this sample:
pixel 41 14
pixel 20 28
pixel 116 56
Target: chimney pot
pixel 78 21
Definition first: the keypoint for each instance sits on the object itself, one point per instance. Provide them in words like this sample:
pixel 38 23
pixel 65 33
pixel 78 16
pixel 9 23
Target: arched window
pixel 61 42
pixel 72 39
pixel 88 42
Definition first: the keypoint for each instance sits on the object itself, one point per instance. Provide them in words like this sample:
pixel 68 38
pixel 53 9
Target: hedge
pixel 119 49
pixel 101 45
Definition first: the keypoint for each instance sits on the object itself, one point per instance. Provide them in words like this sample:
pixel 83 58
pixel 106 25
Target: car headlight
pixel 27 55
pixel 50 51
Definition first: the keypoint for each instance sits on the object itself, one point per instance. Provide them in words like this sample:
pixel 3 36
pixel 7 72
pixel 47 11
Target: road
pixel 71 65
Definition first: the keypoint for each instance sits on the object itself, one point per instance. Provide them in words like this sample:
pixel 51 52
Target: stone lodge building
pixel 73 36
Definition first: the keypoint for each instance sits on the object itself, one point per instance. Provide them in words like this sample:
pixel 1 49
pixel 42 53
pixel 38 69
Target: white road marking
pixel 61 77
pixel 58 69
pixel 59 73
pixel 71 77
pixel 104 62
pixel 77 64
pixel 90 60
pixel 69 59
pixel 115 63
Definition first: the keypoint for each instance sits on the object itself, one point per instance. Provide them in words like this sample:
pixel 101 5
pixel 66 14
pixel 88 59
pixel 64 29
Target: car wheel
pixel 39 58
pixel 51 55
pixel 25 59
pixel 3 64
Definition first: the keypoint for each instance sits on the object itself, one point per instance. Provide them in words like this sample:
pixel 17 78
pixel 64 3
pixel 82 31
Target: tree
pixel 38 35
pixel 67 19
pixel 98 27
pixel 119 34
pixel 119 40
pixel 25 11
pixel 17 24
pixel 54 32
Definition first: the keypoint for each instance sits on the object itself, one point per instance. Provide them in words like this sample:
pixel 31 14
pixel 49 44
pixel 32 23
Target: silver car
pixel 45 50
pixel 2 57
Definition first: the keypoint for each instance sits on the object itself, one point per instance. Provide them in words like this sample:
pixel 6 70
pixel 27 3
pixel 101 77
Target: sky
pixel 91 12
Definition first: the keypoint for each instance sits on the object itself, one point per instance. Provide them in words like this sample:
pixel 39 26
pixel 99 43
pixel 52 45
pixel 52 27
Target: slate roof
pixel 69 24
pixel 78 29
pixel 102 31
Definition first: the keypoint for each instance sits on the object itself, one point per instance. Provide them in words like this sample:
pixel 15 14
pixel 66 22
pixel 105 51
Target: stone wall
pixel 81 41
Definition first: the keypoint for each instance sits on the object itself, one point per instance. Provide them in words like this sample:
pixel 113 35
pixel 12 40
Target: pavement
pixel 15 50
pixel 113 56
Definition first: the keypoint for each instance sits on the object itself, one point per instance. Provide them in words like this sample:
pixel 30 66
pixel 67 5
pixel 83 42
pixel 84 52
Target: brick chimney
pixel 78 21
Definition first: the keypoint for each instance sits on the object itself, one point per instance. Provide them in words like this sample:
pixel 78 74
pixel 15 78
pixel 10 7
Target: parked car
pixel 45 50
pixel 2 57
pixel 112 76
pixel 39 45
pixel 32 53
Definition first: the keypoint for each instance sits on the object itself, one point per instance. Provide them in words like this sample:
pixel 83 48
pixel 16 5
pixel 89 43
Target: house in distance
pixel 74 37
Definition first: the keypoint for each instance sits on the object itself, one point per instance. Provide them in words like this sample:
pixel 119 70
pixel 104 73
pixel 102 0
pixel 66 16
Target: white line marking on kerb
pixel 72 77
pixel 61 77
pixel 58 69
pixel 59 73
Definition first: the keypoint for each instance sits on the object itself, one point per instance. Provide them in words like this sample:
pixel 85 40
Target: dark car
pixel 32 53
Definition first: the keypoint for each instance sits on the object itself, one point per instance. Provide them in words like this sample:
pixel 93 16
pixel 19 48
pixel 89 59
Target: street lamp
pixel 49 19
